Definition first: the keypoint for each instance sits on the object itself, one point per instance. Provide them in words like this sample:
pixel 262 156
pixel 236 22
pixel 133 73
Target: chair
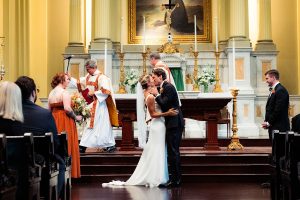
pixel 225 119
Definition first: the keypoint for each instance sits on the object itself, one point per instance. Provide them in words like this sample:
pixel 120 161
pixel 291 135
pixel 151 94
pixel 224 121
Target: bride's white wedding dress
pixel 152 168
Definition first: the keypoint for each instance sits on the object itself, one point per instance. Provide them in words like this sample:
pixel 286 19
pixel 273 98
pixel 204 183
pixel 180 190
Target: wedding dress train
pixel 152 168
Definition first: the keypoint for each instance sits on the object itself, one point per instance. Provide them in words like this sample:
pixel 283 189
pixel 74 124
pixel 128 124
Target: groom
pixel 168 98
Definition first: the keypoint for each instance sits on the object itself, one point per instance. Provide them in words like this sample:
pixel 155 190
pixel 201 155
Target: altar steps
pixel 197 165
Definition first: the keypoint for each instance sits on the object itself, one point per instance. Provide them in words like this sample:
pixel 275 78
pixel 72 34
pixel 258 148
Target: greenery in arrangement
pixel 131 79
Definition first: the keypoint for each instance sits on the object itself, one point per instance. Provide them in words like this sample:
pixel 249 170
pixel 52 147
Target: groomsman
pixel 276 117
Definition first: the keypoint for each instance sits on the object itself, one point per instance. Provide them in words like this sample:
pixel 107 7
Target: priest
pixel 97 89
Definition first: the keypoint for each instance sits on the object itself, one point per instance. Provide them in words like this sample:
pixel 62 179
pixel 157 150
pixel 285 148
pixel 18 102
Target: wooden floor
pixel 188 191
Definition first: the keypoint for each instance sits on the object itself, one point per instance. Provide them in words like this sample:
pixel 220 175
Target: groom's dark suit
pixel 277 110
pixel 174 126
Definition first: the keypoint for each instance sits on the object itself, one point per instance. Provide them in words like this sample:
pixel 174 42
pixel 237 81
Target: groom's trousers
pixel 173 139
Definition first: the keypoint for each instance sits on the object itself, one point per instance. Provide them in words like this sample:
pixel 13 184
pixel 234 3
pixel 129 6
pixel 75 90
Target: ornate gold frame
pixel 133 38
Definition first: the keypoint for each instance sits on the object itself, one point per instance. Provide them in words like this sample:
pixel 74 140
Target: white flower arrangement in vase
pixel 131 79
pixel 206 78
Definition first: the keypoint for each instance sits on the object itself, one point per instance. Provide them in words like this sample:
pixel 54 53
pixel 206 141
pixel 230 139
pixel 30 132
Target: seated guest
pixel 11 112
pixel 60 104
pixel 38 120
pixel 11 118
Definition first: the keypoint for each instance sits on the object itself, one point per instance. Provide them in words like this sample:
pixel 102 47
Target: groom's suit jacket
pixel 277 109
pixel 168 99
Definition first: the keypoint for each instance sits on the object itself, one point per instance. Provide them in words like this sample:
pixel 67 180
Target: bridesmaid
pixel 60 104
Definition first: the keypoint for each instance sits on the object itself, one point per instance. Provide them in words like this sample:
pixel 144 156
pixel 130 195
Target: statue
pixel 168 13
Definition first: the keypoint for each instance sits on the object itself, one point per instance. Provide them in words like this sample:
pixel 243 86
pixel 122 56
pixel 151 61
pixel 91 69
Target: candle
pixel 195 27
pixel 121 34
pixel 105 55
pixel 233 61
pixel 217 48
pixel 144 34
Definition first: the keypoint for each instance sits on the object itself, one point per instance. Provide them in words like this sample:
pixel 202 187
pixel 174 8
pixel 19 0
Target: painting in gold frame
pixel 182 21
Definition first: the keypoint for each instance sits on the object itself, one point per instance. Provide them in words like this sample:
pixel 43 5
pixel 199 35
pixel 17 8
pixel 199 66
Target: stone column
pixel 265 42
pixel 76 27
pixel 239 67
pixel 239 21
pixel 223 15
pixel 101 24
pixel 101 45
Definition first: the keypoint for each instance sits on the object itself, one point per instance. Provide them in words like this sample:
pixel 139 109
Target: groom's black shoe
pixel 166 185
pixel 170 184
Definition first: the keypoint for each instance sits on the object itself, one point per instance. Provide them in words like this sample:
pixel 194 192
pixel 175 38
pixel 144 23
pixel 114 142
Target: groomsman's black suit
pixel 277 110
pixel 168 99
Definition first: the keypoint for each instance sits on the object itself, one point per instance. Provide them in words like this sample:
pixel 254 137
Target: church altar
pixel 246 74
pixel 204 107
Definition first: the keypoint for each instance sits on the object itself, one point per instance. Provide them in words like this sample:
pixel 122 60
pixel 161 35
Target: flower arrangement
pixel 80 107
pixel 131 79
pixel 206 78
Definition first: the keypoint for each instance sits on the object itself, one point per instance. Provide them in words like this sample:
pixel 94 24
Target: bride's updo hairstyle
pixel 144 80
pixel 57 79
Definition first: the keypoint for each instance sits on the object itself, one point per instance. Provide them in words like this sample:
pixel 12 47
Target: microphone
pixel 69 57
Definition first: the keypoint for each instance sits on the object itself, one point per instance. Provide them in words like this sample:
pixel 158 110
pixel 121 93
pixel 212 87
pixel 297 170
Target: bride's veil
pixel 141 116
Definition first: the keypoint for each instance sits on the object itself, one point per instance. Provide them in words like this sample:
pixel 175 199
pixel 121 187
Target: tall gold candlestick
pixel 122 89
pixel 217 85
pixel 144 54
pixel 196 86
pixel 2 72
pixel 2 69
pixel 235 143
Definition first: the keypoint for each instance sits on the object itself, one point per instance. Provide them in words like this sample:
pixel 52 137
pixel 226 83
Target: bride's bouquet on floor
pixel 80 107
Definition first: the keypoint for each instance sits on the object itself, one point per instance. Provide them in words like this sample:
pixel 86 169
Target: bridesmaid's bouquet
pixel 80 107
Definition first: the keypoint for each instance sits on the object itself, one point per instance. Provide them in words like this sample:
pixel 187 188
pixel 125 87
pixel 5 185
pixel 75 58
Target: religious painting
pixel 169 16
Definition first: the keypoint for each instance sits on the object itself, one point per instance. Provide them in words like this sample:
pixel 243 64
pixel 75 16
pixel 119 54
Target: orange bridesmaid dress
pixel 65 123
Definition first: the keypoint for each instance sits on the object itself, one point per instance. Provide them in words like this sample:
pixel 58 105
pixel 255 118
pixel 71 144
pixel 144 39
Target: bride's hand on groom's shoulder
pixel 172 112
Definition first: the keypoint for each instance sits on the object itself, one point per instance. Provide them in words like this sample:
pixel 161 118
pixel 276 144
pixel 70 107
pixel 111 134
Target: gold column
pixel 238 18
pixel 101 19
pixel 76 27
pixel 264 41
pixel 195 86
pixel 235 143
pixel 264 20
pixel 122 89
pixel 217 85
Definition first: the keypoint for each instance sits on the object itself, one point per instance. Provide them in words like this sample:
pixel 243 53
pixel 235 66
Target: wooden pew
pixel 21 157
pixel 7 180
pixel 63 152
pixel 278 152
pixel 289 173
pixel 44 146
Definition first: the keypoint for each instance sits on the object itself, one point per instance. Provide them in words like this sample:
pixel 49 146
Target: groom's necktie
pixel 158 89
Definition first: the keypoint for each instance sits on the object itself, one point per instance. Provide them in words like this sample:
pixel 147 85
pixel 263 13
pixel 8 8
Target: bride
pixel 152 168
